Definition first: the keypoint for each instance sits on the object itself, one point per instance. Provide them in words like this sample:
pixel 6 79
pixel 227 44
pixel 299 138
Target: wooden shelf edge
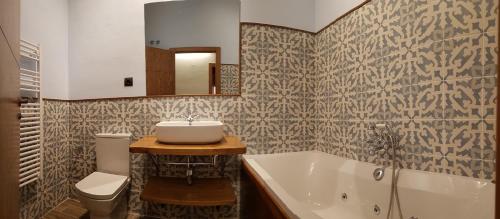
pixel 203 192
pixel 230 145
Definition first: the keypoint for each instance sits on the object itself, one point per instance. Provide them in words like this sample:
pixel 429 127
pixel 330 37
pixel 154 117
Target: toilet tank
pixel 112 153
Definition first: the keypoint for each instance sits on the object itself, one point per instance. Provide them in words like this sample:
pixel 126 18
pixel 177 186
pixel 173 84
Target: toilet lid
pixel 101 185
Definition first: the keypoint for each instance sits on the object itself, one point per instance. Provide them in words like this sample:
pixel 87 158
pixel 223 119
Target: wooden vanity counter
pixel 230 145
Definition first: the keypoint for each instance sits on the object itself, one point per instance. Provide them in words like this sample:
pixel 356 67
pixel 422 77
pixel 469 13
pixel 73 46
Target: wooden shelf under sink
pixel 228 146
pixel 176 191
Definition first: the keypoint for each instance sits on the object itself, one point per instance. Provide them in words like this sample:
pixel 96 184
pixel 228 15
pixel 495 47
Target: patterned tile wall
pixel 230 79
pixel 53 186
pixel 427 67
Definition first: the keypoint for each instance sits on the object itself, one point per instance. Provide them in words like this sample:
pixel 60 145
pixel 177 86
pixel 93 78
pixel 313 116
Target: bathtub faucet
pixel 376 144
pixel 383 141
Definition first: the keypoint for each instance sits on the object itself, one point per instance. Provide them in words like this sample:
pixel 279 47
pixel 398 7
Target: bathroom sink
pixel 184 132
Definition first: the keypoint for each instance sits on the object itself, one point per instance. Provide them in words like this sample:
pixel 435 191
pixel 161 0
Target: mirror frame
pixel 215 50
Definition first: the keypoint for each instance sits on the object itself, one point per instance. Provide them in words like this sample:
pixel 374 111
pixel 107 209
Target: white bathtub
pixel 311 184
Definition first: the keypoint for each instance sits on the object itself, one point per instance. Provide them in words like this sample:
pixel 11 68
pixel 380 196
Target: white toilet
pixel 103 192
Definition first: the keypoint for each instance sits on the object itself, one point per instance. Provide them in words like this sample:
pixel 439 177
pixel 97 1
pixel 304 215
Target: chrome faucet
pixel 190 117
pixel 384 140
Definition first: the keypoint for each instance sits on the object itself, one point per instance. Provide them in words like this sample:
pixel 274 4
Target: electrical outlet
pixel 128 82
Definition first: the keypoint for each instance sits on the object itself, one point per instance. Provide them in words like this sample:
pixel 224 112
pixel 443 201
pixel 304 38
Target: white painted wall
pixel 46 22
pixel 106 44
pixel 327 11
pixel 290 13
pixel 211 23
pixel 310 15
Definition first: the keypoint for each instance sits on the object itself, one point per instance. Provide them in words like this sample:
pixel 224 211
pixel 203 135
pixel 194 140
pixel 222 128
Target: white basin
pixel 181 132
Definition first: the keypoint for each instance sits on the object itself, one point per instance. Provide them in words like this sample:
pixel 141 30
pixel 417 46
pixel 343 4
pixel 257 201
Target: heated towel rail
pixel 30 115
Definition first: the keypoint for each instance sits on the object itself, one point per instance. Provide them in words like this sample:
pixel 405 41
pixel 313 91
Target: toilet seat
pixel 101 186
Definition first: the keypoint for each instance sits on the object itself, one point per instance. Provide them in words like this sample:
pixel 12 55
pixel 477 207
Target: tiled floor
pixel 72 209
pixel 139 217
pixel 68 209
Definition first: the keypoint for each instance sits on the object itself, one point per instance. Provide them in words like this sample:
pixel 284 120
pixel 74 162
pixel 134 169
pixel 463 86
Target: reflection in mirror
pixel 192 71
pixel 197 71
pixel 192 47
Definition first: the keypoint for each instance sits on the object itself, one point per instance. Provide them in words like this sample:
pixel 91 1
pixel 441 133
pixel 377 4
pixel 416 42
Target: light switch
pixel 128 82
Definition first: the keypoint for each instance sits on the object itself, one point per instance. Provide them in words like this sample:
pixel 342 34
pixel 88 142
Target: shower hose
pixel 394 182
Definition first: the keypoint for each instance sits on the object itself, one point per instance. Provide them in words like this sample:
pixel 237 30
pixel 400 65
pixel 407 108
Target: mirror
pixel 192 47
